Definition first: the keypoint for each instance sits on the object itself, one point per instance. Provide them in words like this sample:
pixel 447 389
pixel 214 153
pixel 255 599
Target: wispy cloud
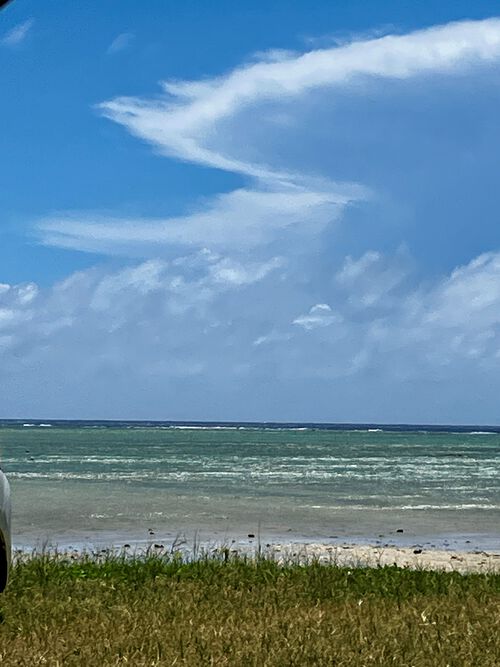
pixel 320 315
pixel 17 34
pixel 189 122
pixel 262 216
pixel 120 43
pixel 340 38
pixel 180 122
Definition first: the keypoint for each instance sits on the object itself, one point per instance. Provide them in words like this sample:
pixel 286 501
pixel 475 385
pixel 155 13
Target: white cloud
pixel 241 219
pixel 14 308
pixel 320 315
pixel 27 293
pixel 205 321
pixel 120 43
pixel 470 297
pixel 272 337
pixel 369 280
pixel 189 122
pixel 457 317
pixel 341 38
pixel 179 123
pixel 229 272
pixel 17 34
pixel 441 326
pixel 142 280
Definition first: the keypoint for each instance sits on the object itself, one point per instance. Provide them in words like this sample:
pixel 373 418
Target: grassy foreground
pixel 163 611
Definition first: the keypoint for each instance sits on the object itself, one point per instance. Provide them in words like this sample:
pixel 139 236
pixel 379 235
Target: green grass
pixel 231 611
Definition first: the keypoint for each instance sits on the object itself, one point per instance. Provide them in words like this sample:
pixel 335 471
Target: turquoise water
pixel 82 483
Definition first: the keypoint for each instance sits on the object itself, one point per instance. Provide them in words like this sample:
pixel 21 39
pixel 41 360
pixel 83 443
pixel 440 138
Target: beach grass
pixel 228 610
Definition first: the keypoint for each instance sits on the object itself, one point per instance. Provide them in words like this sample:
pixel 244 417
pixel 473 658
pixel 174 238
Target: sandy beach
pixel 343 555
pixel 357 555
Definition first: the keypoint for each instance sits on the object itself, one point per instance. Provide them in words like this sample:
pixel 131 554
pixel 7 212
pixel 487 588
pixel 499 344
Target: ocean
pixel 111 483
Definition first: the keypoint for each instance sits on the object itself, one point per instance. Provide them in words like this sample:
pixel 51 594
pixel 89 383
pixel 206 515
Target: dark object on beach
pixel 417 551
pixel 151 531
pixel 126 546
pixel 251 535
pixel 400 530
pixel 159 546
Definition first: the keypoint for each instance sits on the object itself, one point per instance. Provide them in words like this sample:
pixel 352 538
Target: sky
pixel 260 211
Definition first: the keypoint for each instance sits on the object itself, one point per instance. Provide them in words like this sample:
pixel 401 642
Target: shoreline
pixel 344 554
pixel 254 534
pixel 357 555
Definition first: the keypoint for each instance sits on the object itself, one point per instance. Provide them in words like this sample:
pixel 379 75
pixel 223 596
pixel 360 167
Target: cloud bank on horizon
pixel 249 305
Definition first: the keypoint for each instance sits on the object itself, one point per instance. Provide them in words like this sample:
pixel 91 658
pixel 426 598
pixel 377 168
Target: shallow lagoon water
pixel 94 483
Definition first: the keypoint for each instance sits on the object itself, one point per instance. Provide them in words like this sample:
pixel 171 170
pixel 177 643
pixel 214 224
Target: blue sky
pixel 255 211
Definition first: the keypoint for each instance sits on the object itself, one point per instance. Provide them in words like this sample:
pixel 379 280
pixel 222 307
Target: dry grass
pixel 163 611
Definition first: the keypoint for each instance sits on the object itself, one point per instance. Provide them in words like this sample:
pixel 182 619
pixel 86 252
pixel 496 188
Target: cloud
pixel 17 34
pixel 440 327
pixel 179 122
pixel 272 337
pixel 210 123
pixel 244 219
pixel 120 43
pixel 320 315
pixel 205 323
pixel 228 272
pixel 156 318
pixel 369 281
pixel 470 297
pixel 341 38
